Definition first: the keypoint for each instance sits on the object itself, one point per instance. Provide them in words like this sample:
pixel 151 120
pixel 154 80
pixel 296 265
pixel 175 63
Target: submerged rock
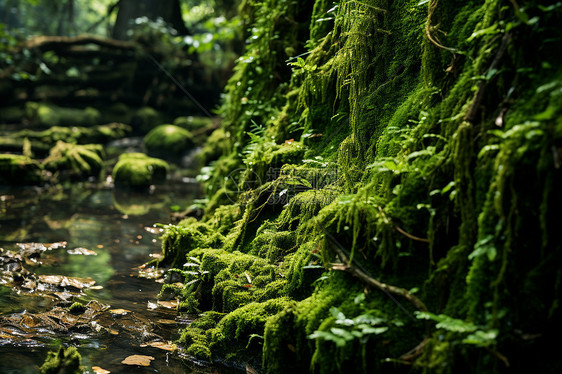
pixel 168 141
pixel 138 170
pixel 19 170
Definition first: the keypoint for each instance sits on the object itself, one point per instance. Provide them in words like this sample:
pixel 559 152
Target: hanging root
pixel 428 28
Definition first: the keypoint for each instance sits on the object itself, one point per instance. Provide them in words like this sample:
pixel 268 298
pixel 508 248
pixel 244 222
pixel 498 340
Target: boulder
pixel 137 170
pixel 19 170
pixel 168 141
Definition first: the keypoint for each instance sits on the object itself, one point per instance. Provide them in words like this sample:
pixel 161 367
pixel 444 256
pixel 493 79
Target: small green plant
pixel 348 329
pixel 468 332
pixel 77 308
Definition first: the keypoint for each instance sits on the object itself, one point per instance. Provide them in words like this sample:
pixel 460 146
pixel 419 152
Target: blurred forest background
pixel 177 46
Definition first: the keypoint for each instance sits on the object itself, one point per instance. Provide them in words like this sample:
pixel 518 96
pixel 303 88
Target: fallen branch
pixel 56 42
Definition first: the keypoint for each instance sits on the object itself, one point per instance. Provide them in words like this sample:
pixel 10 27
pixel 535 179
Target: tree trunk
pixel 168 10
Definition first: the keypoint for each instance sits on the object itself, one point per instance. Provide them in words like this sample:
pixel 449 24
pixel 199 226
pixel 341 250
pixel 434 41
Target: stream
pixel 96 232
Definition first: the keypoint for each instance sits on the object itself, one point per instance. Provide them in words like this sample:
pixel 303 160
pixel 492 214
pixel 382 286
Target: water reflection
pixel 111 224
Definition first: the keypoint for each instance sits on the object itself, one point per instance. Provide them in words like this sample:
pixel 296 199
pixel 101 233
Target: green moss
pixel 77 308
pixel 75 161
pixel 51 115
pixel 192 124
pixel 145 119
pixel 404 137
pixel 100 134
pixel 168 141
pixel 19 170
pixel 64 361
pixel 137 170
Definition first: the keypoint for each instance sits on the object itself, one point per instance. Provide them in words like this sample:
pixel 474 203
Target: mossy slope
pixel 393 191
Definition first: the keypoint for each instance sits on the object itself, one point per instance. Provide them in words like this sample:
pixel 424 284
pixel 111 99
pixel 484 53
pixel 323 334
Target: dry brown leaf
pixel 154 230
pixel 167 321
pixel 162 345
pixel 99 370
pixel 63 281
pixel 168 304
pixel 81 251
pixel 138 360
pixel 152 305
pixel 120 312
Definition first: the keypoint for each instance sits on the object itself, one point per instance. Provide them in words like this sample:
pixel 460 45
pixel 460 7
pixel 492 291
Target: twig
pixel 413 353
pixel 498 355
pixel 406 234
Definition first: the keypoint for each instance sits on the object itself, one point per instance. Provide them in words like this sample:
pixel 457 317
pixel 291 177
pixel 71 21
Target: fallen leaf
pixel 96 287
pixel 162 345
pixel 138 360
pixel 63 281
pixel 167 321
pixel 99 246
pixel 99 370
pixel 250 370
pixel 152 305
pixel 120 312
pixel 154 230
pixel 168 304
pixel 81 251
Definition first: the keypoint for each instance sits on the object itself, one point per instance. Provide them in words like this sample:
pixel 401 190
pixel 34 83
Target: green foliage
pixel 404 134
pixel 66 361
pixel 360 327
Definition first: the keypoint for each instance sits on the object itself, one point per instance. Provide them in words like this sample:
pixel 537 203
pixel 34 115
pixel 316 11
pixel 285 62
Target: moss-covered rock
pixel 137 170
pixel 145 119
pixel 75 161
pixel 45 114
pixel 19 170
pixel 192 123
pixel 99 134
pixel 168 141
pixel 12 114
pixel 118 112
pixel 65 361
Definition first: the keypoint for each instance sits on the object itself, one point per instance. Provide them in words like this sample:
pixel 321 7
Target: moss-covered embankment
pixel 384 191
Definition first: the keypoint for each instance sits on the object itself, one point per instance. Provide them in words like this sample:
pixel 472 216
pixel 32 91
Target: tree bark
pixel 168 10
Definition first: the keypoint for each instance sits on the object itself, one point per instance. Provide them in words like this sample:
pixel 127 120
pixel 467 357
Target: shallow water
pixel 116 226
